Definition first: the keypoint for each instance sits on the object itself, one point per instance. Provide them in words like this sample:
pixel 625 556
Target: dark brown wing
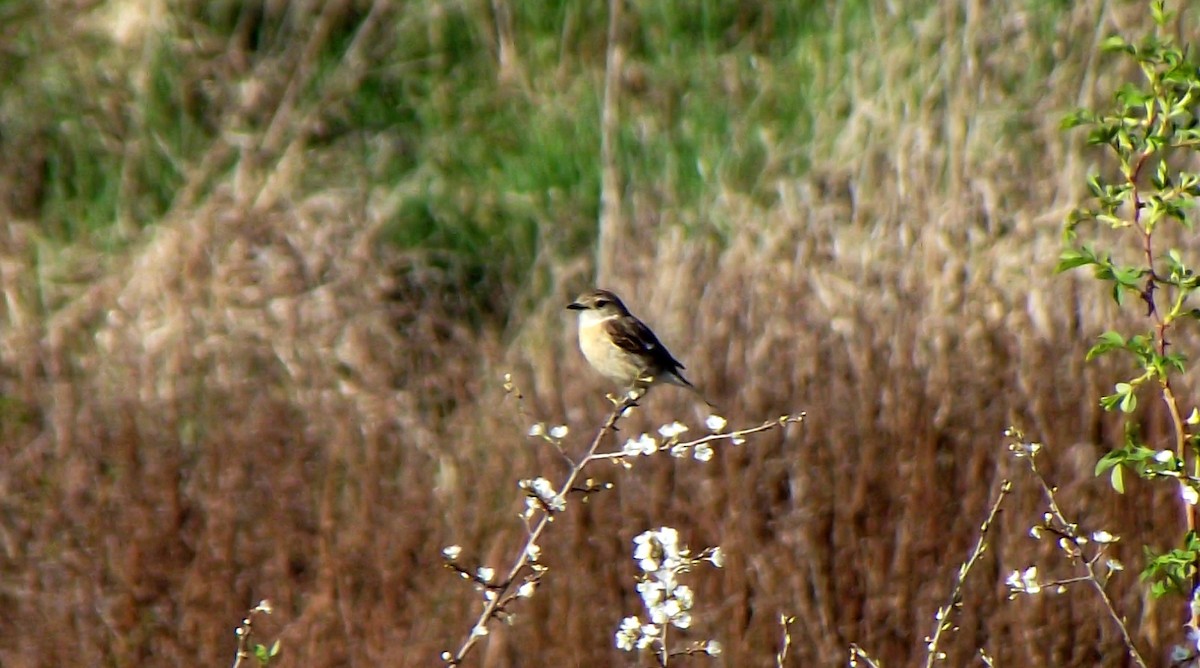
pixel 634 336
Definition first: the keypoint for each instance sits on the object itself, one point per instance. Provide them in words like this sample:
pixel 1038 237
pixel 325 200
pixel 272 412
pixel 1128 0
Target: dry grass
pixel 264 401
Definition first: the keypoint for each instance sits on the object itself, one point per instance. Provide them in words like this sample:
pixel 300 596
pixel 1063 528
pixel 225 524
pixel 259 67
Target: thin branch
pixel 944 612
pixel 500 594
pixel 246 630
pixel 784 621
pixel 1089 565
pixel 722 436
pixel 859 654
pixel 505 588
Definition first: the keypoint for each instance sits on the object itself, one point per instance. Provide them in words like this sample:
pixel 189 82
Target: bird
pixel 622 348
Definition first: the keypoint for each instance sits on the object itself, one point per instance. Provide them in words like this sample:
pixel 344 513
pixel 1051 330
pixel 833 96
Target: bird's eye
pixel 601 303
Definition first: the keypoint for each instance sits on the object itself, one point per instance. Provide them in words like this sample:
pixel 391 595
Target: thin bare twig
pixel 859 654
pixel 784 621
pixel 944 612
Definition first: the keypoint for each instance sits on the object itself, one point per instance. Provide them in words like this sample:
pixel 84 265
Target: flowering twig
pixel 501 592
pixel 668 603
pixel 261 652
pixel 944 612
pixel 648 445
pixel 544 501
pixel 1072 543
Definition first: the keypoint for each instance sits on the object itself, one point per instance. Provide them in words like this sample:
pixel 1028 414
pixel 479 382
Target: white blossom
pixel 672 430
pixel 703 452
pixel 538 429
pixel 451 552
pixel 544 491
pixel 715 423
pixel 1024 581
pixel 628 633
pixel 642 445
pixel 485 574
pixel 560 432
pixel 1189 494
pixel 650 633
pixel 652 592
pixel 717 557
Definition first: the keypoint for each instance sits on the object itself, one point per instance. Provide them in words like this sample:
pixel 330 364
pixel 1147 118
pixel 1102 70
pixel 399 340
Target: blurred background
pixel 265 264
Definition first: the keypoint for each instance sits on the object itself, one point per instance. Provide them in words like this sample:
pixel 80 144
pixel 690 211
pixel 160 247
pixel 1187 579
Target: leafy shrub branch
pixel 1152 130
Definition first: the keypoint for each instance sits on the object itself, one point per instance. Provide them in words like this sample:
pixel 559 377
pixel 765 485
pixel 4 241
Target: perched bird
pixel 622 348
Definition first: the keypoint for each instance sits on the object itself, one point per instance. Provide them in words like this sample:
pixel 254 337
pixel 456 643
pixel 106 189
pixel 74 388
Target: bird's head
pixel 600 302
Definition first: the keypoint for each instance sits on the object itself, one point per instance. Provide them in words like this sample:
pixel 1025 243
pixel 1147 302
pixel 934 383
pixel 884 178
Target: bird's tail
pixel 676 378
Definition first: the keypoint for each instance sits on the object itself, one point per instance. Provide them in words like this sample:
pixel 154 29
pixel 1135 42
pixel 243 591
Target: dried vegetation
pixel 266 394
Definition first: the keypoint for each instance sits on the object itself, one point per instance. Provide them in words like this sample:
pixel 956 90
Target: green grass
pixel 717 98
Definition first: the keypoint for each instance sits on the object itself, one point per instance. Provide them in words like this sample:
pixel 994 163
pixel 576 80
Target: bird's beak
pixel 576 306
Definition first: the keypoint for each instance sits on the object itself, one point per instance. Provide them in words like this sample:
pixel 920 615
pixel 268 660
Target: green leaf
pixel 1107 341
pixel 1129 401
pixel 1102 134
pixel 1176 361
pixel 1072 258
pixel 1116 43
pixel 1117 478
pixel 1076 118
pixel 1109 460
pixel 1161 16
pixel 1131 96
pixel 1109 402
pixel 1162 177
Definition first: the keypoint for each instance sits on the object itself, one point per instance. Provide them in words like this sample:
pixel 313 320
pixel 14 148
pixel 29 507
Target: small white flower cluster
pixel 1020 449
pixel 1023 582
pixel 701 450
pixel 661 559
pixel 1026 581
pixel 553 434
pixel 1019 446
pixel 483 577
pixel 642 445
pixel 672 432
pixel 540 495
